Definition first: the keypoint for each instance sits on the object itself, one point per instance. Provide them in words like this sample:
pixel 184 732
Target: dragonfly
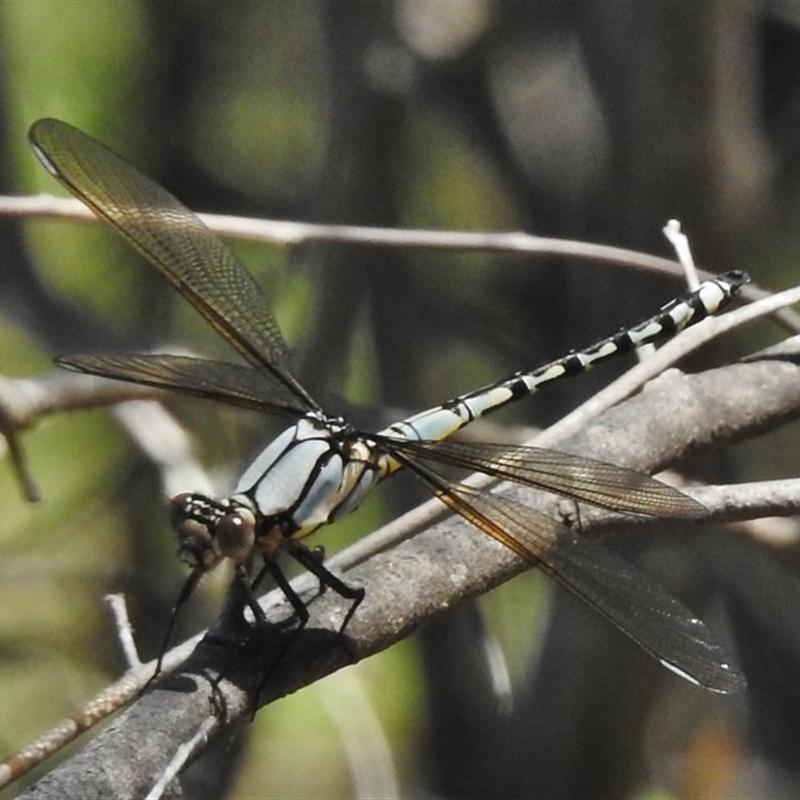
pixel 321 467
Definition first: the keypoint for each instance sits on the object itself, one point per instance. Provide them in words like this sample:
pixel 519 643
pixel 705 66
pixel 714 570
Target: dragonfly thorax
pixel 313 472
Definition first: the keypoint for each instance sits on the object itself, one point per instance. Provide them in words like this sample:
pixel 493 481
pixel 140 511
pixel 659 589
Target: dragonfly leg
pixel 300 610
pixel 318 553
pixel 186 590
pixel 263 642
pixel 311 560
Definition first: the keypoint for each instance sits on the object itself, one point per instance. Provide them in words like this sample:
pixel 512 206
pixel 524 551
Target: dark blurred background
pixel 596 121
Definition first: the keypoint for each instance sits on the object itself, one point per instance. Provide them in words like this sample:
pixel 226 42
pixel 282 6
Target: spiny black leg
pixel 310 560
pixel 186 590
pixel 252 638
pixel 271 568
pixel 318 552
pixel 243 579
pixel 290 594
pixel 301 612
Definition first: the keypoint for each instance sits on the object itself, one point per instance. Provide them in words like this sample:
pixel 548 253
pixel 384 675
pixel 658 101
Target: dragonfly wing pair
pixel 173 239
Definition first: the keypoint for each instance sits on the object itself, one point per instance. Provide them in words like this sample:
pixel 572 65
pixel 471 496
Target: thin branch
pixel 114 697
pixel 26 401
pixel 683 252
pixel 116 602
pixel 283 232
pixel 182 756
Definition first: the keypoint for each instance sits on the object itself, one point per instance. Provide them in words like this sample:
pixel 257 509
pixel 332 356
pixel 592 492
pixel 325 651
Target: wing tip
pixel 723 677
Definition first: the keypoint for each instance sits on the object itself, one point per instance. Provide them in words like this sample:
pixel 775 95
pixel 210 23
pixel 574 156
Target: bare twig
pixel 102 706
pixel 680 243
pixel 287 233
pixel 26 401
pixel 182 756
pixel 116 602
pixel 296 233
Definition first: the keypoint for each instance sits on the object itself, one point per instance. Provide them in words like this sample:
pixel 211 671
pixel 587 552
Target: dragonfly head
pixel 209 530
pixel 194 519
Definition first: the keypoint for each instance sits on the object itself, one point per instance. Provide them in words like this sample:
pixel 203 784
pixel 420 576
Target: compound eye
pixel 236 535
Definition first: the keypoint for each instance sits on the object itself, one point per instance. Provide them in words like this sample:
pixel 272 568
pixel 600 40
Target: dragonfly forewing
pixel 173 239
pixel 579 478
